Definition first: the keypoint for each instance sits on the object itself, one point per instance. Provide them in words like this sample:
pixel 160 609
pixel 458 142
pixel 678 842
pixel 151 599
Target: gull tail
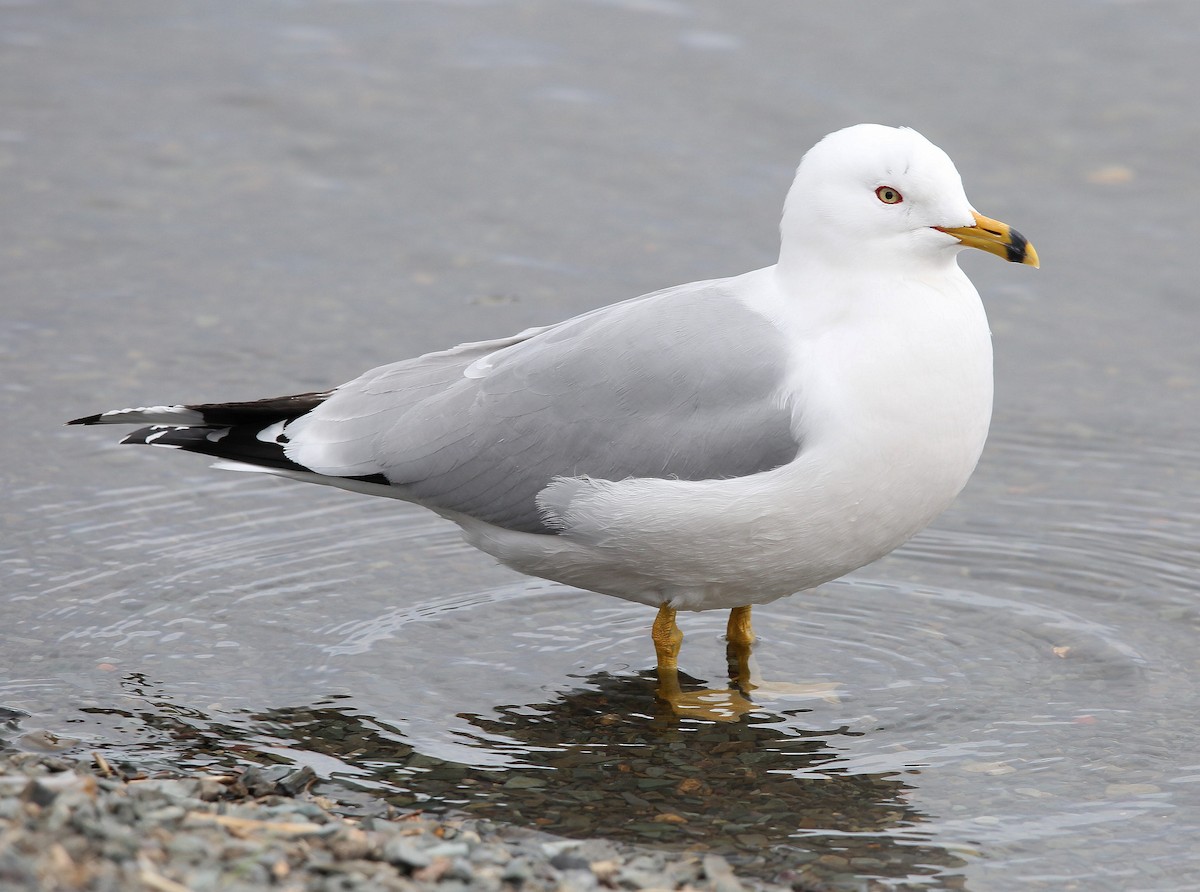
pixel 247 433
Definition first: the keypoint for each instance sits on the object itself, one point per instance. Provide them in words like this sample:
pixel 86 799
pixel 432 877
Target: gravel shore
pixel 68 823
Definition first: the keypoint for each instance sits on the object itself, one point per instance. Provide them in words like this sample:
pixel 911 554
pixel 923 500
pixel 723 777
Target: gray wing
pixel 684 384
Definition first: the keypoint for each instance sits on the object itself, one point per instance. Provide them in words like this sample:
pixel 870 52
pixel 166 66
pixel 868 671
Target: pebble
pixel 403 853
pixel 77 825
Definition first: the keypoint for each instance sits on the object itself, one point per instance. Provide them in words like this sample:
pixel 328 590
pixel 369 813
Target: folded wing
pixel 684 384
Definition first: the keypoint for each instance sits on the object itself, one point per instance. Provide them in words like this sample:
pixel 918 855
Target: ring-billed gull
pixel 714 445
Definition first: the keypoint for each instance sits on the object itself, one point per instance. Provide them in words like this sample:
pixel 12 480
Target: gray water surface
pixel 215 200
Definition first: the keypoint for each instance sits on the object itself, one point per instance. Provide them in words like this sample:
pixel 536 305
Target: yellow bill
pixel 995 238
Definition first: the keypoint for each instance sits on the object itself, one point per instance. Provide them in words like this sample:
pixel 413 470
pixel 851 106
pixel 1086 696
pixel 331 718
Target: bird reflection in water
pixel 595 762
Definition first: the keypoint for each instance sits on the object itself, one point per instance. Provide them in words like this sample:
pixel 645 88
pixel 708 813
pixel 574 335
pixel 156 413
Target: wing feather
pixel 685 383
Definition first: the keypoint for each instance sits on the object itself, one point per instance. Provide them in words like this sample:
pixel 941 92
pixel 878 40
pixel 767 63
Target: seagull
pixel 714 445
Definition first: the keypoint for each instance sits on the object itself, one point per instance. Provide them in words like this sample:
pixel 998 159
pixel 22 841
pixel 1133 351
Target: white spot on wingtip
pixel 160 430
pixel 271 433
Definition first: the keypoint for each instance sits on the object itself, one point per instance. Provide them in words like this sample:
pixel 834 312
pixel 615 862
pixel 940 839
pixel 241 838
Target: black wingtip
pixel 87 419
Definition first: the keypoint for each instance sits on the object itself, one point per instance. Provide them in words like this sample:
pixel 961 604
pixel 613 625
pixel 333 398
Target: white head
pixel 888 197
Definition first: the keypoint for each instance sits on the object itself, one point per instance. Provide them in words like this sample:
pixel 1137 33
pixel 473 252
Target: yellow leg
pixel 727 705
pixel 738 632
pixel 720 706
pixel 667 639
pixel 738 640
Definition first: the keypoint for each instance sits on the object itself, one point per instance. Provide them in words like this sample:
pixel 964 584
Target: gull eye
pixel 888 195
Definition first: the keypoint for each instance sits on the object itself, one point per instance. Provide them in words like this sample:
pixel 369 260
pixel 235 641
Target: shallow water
pixel 990 697
pixel 271 198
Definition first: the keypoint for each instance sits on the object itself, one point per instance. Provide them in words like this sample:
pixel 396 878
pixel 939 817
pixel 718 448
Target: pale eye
pixel 889 195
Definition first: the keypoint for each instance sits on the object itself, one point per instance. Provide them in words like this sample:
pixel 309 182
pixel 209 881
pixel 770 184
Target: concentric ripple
pixel 1009 691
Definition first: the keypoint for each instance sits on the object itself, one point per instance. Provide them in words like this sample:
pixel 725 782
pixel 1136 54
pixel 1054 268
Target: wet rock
pixel 718 870
pixel 517 871
pixel 448 850
pixel 569 861
pixel 83 826
pixel 39 794
pixel 403 853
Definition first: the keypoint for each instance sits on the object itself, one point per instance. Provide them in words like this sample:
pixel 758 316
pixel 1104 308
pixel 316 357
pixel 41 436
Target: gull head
pixel 886 198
